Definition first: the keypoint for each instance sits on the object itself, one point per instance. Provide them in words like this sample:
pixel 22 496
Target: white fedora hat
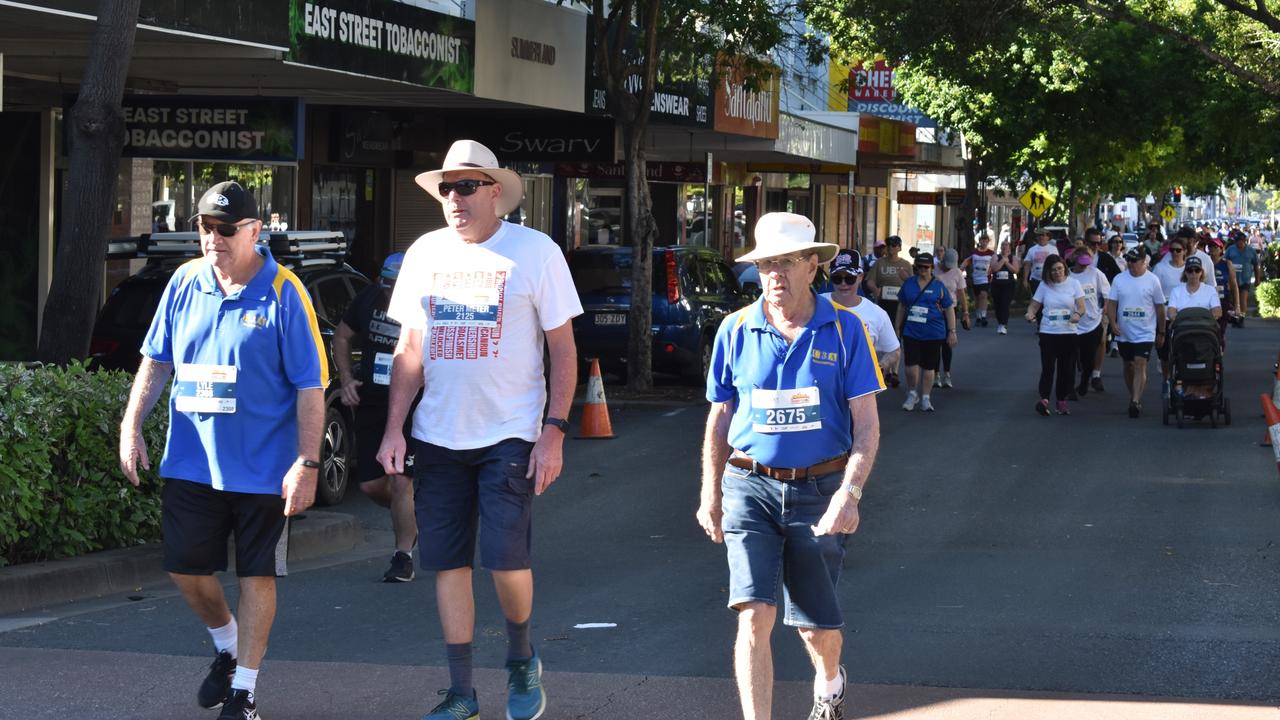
pixel 471 155
pixel 782 233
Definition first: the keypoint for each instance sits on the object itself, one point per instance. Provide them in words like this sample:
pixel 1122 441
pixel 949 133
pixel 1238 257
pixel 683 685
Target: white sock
pixel 1096 373
pixel 828 689
pixel 224 638
pixel 245 679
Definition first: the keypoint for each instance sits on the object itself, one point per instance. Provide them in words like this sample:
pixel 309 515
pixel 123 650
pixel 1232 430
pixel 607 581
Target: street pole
pixel 707 224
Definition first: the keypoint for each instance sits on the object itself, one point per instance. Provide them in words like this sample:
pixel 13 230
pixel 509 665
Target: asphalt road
pixel 998 549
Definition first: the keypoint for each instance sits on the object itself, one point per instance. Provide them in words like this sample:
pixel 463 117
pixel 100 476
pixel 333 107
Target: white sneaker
pixel 925 405
pixel 1002 330
pixel 946 380
pixel 937 380
pixel 910 404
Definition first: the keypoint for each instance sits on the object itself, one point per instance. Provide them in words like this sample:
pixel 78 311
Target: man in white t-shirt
pixel 475 301
pixel 846 272
pixel 1033 260
pixel 1135 307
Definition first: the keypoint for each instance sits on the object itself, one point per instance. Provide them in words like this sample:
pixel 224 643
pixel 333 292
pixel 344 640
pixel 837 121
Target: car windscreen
pixel 609 273
pixel 132 305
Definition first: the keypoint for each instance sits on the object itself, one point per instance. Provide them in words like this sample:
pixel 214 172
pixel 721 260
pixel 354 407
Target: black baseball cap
pixel 1134 254
pixel 228 202
pixel 894 241
pixel 924 258
pixel 1194 262
pixel 847 261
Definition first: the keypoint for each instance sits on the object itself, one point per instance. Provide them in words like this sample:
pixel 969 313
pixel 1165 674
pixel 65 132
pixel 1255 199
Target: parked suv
pixel 693 290
pixel 317 258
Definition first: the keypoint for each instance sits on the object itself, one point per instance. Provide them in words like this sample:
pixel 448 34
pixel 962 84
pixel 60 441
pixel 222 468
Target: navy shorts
pixel 768 536
pixel 371 423
pixel 196 521
pixel 459 492
pixel 1129 351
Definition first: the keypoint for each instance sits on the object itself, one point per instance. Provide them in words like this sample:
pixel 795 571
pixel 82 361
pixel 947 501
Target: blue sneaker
pixel 525 697
pixel 455 707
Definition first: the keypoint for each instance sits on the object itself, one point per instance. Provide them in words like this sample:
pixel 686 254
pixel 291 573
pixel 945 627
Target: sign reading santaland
pixel 384 39
pixel 742 110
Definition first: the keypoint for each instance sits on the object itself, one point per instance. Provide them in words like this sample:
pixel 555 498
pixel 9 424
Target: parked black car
pixel 317 258
pixel 693 290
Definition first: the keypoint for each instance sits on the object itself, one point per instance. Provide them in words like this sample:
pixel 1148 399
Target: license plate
pixel 611 319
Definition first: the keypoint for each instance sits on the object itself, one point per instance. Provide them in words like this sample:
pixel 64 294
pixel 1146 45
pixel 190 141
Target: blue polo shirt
pixel 239 362
pixel 923 319
pixel 791 401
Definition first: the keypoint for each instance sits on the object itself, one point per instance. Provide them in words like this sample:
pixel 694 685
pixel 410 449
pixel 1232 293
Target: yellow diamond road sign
pixel 1168 213
pixel 1036 199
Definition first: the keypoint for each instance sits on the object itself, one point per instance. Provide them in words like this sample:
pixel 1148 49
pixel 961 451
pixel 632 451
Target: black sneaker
pixel 217 683
pixel 1081 390
pixel 1135 410
pixel 401 569
pixel 1042 407
pixel 239 706
pixel 1096 384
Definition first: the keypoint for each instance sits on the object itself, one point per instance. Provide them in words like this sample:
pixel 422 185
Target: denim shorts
pixel 459 492
pixel 768 534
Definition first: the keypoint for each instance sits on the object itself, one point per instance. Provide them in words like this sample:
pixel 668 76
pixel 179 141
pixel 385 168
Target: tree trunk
pixel 96 131
pixel 641 230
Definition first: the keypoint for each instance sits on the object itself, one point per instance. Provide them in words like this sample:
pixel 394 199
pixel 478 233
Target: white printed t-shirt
pixel 1136 299
pixel 1094 283
pixel 482 309
pixel 1058 302
pixel 1170 276
pixel 1036 255
pixel 1205 297
pixel 878 324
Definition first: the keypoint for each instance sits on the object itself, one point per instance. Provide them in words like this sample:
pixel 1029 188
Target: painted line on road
pixel 675 412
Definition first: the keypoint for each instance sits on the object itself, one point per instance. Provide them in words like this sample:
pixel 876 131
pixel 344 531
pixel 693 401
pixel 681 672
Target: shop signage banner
pixel 655 171
pixel 233 129
pixel 530 52
pixel 886 137
pixel 871 91
pixel 261 23
pixel 514 137
pixel 741 110
pixel 384 39
pixel 682 101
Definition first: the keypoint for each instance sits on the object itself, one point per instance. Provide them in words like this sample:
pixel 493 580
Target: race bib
pixel 1002 274
pixel 918 314
pixel 1134 313
pixel 1222 292
pixel 466 307
pixel 382 369
pixel 205 389
pixel 1056 321
pixel 777 411
pixel 889 292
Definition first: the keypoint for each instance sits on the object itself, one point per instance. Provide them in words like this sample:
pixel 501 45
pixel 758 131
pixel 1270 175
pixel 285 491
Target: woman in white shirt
pixel 1062 300
pixel 1193 292
pixel 1090 328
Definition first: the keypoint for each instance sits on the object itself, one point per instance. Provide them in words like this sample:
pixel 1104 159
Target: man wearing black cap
pixel 1135 308
pixel 245 418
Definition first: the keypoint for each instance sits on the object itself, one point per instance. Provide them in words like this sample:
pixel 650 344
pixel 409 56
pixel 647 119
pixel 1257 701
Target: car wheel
pixel 335 459
pixel 698 371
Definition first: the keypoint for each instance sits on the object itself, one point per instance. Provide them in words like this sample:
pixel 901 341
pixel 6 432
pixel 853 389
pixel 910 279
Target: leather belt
pixel 790 474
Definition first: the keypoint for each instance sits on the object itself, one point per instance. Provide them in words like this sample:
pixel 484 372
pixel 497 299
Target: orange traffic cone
pixel 595 413
pixel 1273 425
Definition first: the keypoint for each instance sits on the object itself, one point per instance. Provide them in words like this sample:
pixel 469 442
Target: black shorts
pixel 371 423
pixel 196 521
pixel 924 353
pixel 1129 351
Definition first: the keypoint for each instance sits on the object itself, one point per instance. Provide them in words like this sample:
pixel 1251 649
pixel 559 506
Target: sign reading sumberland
pixel 384 39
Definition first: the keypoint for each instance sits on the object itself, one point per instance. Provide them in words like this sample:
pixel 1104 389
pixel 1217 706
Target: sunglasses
pixel 223 229
pixel 844 279
pixel 1194 270
pixel 465 188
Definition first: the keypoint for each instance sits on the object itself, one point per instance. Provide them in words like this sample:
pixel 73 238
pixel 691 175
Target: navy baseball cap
pixel 227 201
pixel 846 261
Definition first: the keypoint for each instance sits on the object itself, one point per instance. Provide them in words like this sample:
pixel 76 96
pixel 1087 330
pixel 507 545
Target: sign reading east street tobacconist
pixel 235 129
pixel 384 39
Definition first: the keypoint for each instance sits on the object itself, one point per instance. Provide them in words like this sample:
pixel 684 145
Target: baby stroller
pixel 1195 382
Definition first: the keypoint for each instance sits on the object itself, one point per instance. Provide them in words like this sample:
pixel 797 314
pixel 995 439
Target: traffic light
pixel 1177 195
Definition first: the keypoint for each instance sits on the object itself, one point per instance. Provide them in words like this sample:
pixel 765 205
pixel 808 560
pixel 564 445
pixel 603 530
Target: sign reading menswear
pixel 530 52
pixel 253 129
pixel 384 39
pixel 682 100
pixel 742 110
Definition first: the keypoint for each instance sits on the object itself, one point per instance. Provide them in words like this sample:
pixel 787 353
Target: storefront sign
pixel 234 129
pixel 879 136
pixel 744 111
pixel 528 136
pixel 263 23
pixel 871 91
pixel 654 171
pixel 817 141
pixel 530 52
pixel 389 40
pixel 677 102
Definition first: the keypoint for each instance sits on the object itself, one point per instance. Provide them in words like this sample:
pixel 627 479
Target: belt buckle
pixel 794 471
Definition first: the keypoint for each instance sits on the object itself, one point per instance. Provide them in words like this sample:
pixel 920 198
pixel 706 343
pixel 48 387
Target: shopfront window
pixel 595 214
pixel 177 187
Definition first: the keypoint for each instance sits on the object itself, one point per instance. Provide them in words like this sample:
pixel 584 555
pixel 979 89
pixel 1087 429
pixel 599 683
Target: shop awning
pixel 802 143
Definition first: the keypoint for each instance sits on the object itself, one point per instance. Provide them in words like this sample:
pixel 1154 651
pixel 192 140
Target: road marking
pixel 675 412
pixel 594 626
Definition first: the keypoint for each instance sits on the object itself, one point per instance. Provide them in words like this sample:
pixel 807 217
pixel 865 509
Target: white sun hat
pixel 782 233
pixel 471 155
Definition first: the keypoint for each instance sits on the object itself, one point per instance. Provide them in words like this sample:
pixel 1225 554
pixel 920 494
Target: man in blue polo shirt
pixel 245 417
pixel 790 441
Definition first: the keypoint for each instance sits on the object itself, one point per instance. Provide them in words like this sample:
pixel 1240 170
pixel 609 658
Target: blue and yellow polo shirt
pixel 239 362
pixel 791 401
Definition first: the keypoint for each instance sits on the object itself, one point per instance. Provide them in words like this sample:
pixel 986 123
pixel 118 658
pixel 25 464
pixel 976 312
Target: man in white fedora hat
pixel 476 300
pixel 790 441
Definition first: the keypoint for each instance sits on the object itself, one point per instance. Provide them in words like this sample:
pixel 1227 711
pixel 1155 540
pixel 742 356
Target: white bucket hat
pixel 471 155
pixel 782 233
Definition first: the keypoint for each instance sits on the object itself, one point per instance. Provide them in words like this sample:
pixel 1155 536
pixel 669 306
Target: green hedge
pixel 1269 299
pixel 61 489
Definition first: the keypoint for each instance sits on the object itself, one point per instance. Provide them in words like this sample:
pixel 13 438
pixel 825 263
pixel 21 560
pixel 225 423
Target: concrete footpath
pixel 313 534
pixel 39 684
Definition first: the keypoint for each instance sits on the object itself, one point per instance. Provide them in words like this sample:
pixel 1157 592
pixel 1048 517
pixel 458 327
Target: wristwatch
pixel 308 463
pixel 854 490
pixel 558 422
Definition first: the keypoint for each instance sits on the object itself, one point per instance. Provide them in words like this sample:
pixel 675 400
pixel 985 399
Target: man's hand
pixel 711 519
pixel 350 397
pixel 133 451
pixel 299 489
pixel 1160 338
pixel 841 516
pixel 391 453
pixel 547 459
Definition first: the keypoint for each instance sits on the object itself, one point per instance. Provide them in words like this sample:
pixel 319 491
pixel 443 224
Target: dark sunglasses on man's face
pixel 1194 270
pixel 844 279
pixel 465 188
pixel 223 229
